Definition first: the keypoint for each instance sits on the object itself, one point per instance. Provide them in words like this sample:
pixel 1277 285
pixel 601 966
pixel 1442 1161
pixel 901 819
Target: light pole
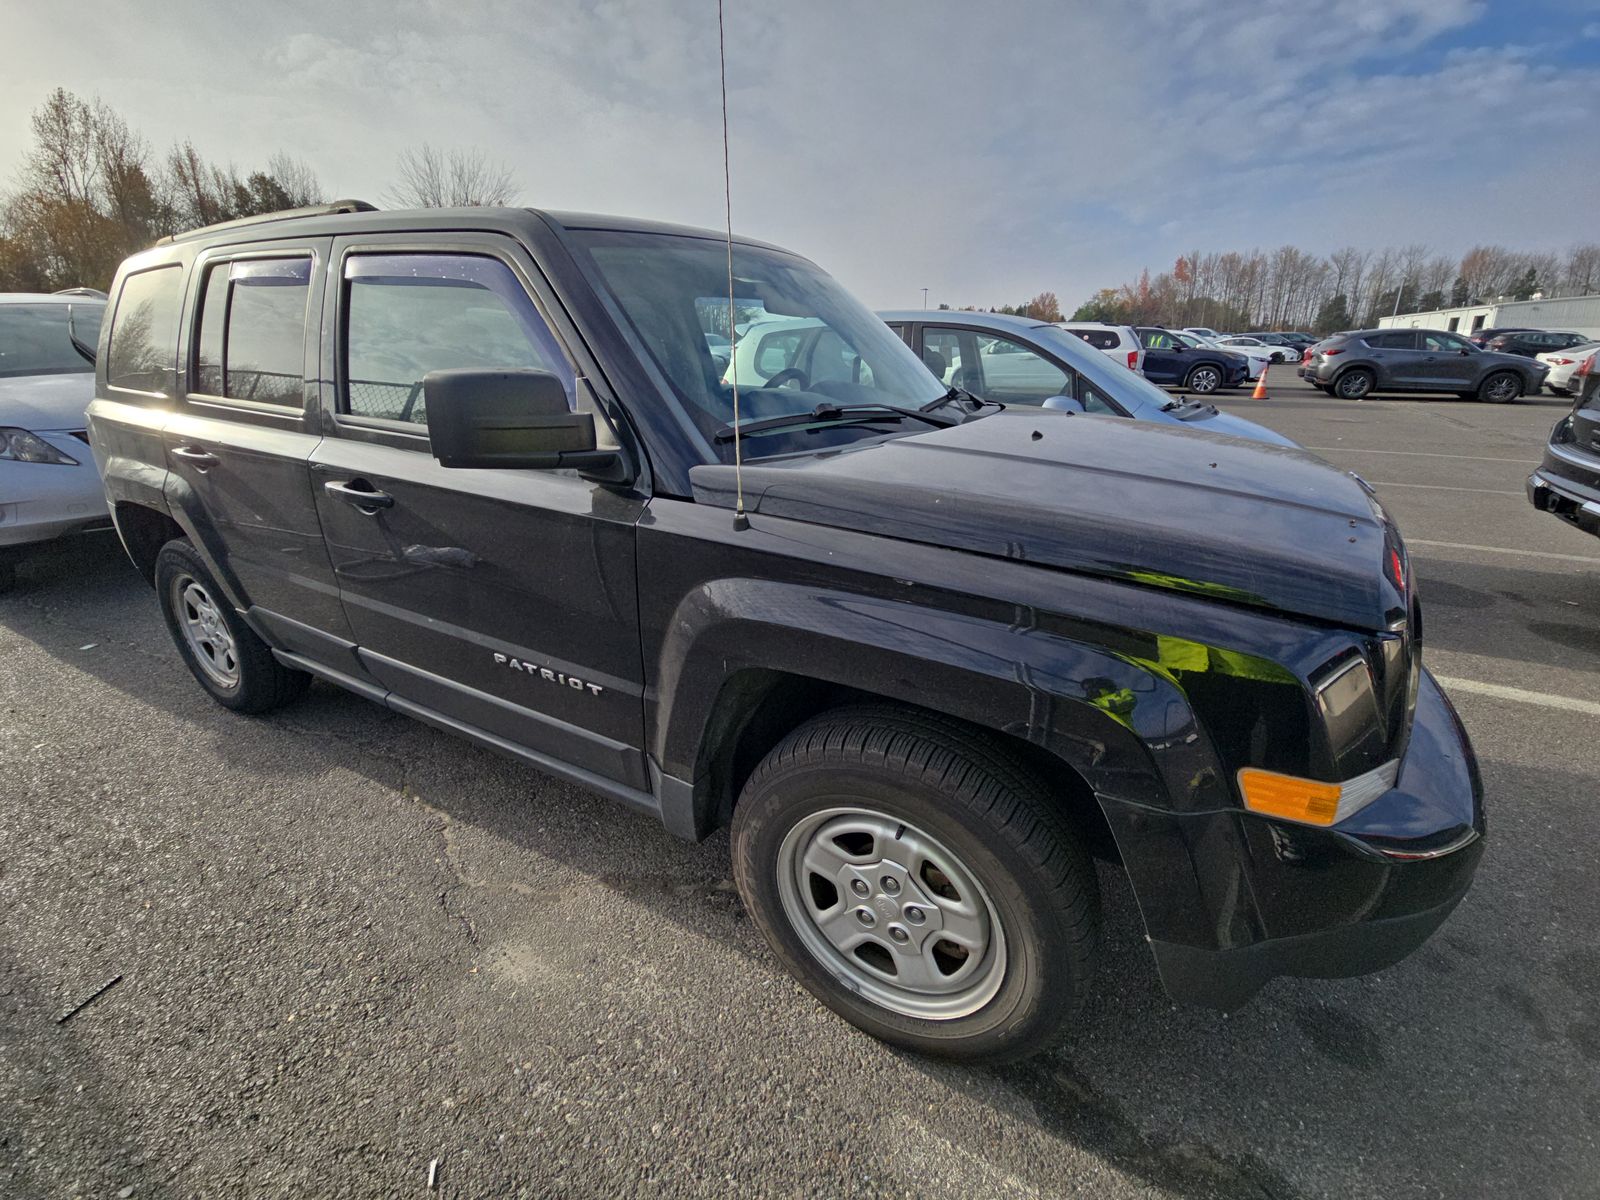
pixel 924 297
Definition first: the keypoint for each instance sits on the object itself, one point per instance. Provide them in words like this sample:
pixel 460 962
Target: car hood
pixel 1157 505
pixel 46 402
pixel 1216 421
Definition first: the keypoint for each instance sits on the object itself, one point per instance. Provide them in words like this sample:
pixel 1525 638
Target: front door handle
pixel 359 493
pixel 200 459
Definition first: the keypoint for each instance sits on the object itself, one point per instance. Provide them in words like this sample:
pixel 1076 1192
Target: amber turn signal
pixel 1310 801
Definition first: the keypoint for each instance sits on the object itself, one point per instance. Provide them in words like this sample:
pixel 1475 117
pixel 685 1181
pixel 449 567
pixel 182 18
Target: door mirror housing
pixel 1065 403
pixel 512 419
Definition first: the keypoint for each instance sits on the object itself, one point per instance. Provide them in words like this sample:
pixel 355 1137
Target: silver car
pixel 49 487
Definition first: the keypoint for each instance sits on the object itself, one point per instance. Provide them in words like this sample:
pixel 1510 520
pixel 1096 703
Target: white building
pixel 1577 314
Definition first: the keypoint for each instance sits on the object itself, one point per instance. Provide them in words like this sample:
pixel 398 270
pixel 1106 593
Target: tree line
pixel 91 190
pixel 1289 288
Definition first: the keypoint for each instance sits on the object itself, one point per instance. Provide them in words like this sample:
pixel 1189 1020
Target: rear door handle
pixel 364 496
pixel 200 459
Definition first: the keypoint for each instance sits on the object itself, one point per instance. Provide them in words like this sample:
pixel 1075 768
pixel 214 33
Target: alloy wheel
pixel 1204 380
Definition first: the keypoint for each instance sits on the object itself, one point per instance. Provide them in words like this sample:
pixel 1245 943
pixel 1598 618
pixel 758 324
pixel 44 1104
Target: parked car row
pixel 925 608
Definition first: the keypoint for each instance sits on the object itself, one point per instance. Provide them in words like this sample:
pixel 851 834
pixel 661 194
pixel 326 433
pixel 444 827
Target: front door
pixel 501 600
pixel 1446 362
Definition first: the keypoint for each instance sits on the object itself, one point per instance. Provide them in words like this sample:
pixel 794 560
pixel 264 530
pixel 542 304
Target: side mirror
pixel 1463 352
pixel 512 419
pixel 1065 403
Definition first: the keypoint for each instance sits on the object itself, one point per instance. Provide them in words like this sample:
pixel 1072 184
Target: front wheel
pixel 920 882
pixel 1204 379
pixel 234 665
pixel 1500 388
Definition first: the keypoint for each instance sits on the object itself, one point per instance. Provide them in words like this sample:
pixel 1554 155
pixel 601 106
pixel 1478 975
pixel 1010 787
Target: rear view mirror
pixel 511 419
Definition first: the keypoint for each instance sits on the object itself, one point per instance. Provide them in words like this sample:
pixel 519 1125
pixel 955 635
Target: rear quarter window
pixel 1100 339
pixel 144 331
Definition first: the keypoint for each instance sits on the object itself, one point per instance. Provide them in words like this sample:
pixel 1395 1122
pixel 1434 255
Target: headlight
pixel 18 445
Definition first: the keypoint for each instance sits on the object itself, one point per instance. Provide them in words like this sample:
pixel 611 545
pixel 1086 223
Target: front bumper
pixel 1231 899
pixel 43 501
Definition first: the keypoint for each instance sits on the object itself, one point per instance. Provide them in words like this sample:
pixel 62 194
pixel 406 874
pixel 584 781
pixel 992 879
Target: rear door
pixel 240 439
pixel 1395 355
pixel 500 600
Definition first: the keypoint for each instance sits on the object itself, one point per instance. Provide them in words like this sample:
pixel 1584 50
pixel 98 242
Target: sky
pixel 984 151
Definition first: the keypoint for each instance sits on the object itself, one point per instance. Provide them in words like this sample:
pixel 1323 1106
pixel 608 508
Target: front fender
pixel 1096 710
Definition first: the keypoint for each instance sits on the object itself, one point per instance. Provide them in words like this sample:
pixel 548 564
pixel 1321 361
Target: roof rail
pixel 311 210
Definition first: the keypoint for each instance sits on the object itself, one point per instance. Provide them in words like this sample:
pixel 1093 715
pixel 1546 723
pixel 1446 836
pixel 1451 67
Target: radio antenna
pixel 740 521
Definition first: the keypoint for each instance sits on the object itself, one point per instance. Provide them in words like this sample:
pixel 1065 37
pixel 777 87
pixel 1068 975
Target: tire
pixel 1203 379
pixel 220 650
pixel 981 836
pixel 1354 384
pixel 1500 387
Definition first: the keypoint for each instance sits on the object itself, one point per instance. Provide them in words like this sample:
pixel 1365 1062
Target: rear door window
pixel 251 341
pixel 1393 341
pixel 144 332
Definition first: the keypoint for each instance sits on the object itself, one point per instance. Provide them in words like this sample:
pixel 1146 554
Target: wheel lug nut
pixel 864 915
pixel 860 887
pixel 915 915
pixel 898 934
pixel 891 885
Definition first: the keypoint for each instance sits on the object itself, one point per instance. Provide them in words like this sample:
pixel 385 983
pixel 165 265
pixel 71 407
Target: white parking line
pixel 1577 558
pixel 1439 487
pixel 1423 454
pixel 1500 692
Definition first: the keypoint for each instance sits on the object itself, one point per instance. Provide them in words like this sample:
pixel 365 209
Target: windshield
pixel 34 338
pixel 1128 388
pixel 801 339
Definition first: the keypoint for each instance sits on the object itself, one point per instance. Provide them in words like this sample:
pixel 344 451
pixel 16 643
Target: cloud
pixel 986 153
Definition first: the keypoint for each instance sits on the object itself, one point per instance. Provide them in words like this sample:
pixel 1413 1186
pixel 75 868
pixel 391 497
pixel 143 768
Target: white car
pixel 1117 341
pixel 49 487
pixel 1563 363
pixel 1250 345
pixel 1210 335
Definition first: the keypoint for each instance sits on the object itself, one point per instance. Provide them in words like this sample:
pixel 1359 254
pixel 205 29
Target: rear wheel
pixel 1500 388
pixel 1203 380
pixel 1354 384
pixel 221 651
pixel 920 881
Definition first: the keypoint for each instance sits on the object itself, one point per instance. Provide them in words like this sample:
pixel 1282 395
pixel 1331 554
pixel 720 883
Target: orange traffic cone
pixel 1261 386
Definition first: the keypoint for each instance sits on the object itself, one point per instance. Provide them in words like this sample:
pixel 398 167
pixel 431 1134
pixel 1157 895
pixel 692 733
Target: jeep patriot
pixel 924 655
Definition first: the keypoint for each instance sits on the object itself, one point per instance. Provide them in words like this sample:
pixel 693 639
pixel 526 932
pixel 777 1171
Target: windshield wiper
pixel 955 394
pixel 78 344
pixel 829 412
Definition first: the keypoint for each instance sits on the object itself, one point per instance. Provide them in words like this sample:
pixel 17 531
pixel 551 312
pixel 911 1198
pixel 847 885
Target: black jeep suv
pixel 923 653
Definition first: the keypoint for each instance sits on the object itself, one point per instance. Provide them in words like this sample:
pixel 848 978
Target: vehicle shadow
pixel 1370 1084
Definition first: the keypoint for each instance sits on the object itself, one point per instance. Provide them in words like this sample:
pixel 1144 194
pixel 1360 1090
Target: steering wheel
pixel 785 375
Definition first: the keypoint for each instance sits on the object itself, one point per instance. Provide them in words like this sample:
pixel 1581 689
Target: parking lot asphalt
pixel 350 946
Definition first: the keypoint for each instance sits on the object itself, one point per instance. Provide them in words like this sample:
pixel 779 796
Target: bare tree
pixel 434 178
